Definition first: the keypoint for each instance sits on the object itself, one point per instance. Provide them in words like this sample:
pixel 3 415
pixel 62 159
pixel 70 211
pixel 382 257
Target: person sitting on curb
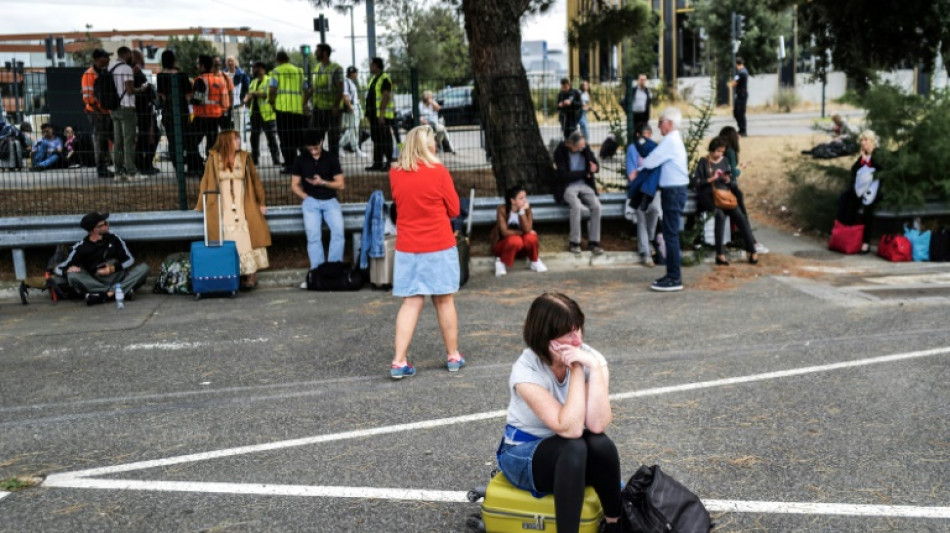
pixel 48 151
pixel 576 166
pixel 100 261
pixel 513 235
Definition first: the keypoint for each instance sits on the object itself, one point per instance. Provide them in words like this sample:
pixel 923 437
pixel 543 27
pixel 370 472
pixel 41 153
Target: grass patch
pixel 17 483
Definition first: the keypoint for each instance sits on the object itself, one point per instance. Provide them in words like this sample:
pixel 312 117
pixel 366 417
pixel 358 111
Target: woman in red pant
pixel 513 235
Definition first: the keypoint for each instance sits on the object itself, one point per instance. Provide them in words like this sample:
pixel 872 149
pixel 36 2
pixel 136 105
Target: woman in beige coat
pixel 231 171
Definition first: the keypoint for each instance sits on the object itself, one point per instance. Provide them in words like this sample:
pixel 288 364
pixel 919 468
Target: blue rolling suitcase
pixel 215 267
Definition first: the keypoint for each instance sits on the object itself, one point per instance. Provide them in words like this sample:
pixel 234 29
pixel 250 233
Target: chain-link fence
pixel 69 167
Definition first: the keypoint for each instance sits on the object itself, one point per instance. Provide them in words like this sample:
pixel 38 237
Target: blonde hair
pixel 417 147
pixel 869 135
pixel 426 95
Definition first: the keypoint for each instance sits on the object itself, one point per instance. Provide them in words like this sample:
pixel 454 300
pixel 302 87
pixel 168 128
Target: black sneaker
pixel 667 285
pixel 95 298
pixel 23 292
pixel 105 173
pixel 374 168
pixel 595 248
pixel 574 248
pixel 130 296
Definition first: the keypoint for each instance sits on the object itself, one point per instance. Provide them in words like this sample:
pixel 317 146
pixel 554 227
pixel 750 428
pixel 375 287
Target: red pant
pixel 517 245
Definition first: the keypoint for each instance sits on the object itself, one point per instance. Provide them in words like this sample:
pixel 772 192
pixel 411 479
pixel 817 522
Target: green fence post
pixel 628 81
pixel 179 129
pixel 414 87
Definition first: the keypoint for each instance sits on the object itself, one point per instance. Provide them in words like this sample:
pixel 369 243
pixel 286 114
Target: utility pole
pixel 321 24
pixel 371 27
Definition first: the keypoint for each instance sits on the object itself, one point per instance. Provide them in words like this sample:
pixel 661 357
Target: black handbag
pixel 334 276
pixel 653 502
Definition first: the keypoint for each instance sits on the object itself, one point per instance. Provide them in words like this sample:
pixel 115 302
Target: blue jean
pixel 582 123
pixel 315 212
pixel 673 200
pixel 44 159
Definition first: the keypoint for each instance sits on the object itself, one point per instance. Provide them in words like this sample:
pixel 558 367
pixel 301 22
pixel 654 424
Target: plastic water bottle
pixel 119 297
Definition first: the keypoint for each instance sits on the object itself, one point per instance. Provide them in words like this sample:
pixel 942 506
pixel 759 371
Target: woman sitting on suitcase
pixel 231 171
pixel 513 235
pixel 559 409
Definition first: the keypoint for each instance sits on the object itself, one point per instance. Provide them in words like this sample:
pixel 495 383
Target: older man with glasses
pixel 100 261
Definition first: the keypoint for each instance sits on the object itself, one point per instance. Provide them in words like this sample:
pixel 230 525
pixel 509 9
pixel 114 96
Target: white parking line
pixel 80 479
pixel 3 494
pixel 183 345
pixel 445 496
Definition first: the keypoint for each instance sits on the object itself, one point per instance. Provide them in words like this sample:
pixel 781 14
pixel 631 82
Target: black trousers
pixel 568 123
pixel 640 118
pixel 566 466
pixel 740 221
pixel 738 112
pixel 205 128
pixel 101 135
pixel 269 129
pixel 382 137
pixel 851 211
pixel 147 141
pixel 331 125
pixel 190 155
pixel 290 132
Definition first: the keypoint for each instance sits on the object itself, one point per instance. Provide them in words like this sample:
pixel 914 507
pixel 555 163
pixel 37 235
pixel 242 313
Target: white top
pixel 429 113
pixel 670 155
pixel 639 100
pixel 120 75
pixel 585 99
pixel 514 220
pixel 350 90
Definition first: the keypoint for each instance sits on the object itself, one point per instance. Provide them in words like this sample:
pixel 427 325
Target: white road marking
pixel 446 496
pixel 184 345
pixel 3 494
pixel 80 479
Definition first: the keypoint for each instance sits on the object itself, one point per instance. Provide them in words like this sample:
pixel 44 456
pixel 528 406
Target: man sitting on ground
pixel 48 151
pixel 575 186
pixel 101 261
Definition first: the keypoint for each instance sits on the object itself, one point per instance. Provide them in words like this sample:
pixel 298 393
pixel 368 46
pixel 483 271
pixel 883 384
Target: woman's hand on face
pixel 572 355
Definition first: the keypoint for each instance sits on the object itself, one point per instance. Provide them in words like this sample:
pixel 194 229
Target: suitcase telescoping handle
pixel 204 208
pixel 471 211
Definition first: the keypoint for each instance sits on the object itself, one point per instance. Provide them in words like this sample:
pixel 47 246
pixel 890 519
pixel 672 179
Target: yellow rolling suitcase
pixel 508 509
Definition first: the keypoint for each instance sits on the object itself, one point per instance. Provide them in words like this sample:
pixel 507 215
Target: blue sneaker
pixel 402 372
pixel 667 285
pixel 454 365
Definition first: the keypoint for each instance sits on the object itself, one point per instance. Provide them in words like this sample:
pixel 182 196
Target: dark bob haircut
pixel 551 315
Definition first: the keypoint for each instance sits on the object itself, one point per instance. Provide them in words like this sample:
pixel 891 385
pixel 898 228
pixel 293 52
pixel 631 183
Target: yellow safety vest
pixel 390 111
pixel 324 91
pixel 267 112
pixel 289 88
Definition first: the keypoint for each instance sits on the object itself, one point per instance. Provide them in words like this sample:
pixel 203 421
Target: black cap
pixel 99 52
pixel 350 70
pixel 91 220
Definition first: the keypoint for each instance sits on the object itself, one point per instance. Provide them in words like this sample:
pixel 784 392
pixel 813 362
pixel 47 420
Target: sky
pixel 291 21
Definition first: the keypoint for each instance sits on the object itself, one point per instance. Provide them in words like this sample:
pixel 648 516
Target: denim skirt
pixel 425 274
pixel 515 461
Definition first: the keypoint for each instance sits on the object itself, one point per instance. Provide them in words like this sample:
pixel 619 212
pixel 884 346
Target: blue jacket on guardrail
pixel 374 225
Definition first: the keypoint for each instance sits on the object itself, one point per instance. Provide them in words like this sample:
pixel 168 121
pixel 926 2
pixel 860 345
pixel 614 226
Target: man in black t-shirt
pixel 316 177
pixel 741 89
pixel 569 104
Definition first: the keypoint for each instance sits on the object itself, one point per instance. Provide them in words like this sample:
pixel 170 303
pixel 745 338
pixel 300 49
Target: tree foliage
pixel 863 39
pixel 188 49
pixel 430 39
pixel 759 43
pixel 641 54
pixel 83 55
pixel 254 50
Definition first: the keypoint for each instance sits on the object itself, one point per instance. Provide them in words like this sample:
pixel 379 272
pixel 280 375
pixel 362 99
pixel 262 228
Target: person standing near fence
pixel 585 107
pixel 741 97
pixel 327 89
pixel 641 102
pixel 263 117
pixel 352 113
pixel 381 112
pixel 240 83
pixel 209 103
pixel 123 117
pixel 285 95
pixel 147 141
pixel 172 81
pixel 99 118
pixel 569 106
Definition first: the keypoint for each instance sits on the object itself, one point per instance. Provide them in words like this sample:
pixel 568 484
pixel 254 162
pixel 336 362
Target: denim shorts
pixel 426 273
pixel 515 461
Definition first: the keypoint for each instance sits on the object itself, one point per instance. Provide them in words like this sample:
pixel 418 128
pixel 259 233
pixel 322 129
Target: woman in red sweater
pixel 427 262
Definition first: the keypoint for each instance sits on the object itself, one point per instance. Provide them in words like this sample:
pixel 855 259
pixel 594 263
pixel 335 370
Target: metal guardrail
pixel 19 233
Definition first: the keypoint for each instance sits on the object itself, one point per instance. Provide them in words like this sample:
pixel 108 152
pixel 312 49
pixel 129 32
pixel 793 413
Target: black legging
pixel 741 223
pixel 851 211
pixel 566 466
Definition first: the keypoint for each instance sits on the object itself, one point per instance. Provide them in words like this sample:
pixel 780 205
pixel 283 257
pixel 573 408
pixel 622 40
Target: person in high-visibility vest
pixel 327 90
pixel 210 100
pixel 98 116
pixel 286 97
pixel 380 111
pixel 263 117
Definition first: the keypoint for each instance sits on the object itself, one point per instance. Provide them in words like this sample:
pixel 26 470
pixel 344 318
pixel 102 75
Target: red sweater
pixel 425 201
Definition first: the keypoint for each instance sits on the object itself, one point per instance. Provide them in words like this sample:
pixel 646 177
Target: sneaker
pixel 500 268
pixel 538 266
pixel 453 365
pixel 595 249
pixel 151 171
pixel 759 249
pixel 303 285
pixel 360 154
pixel 575 248
pixel 661 280
pixel 105 173
pixel 667 285
pixel 95 298
pixel 646 260
pixel 75 165
pixel 136 177
pixel 399 372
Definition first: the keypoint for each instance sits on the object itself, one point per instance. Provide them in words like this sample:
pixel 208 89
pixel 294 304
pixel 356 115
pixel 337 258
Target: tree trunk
pixel 513 139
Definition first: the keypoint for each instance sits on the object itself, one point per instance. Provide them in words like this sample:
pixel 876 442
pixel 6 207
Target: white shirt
pixel 670 154
pixel 349 88
pixel 639 100
pixel 120 75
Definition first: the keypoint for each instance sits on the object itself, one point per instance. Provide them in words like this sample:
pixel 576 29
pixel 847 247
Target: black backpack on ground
pixel 609 147
pixel 104 89
pixel 653 502
pixel 940 244
pixel 335 276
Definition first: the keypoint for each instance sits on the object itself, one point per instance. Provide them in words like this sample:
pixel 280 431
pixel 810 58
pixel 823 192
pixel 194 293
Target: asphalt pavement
pixel 809 393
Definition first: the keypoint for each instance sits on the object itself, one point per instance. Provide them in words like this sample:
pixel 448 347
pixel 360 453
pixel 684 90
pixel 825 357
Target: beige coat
pixel 253 199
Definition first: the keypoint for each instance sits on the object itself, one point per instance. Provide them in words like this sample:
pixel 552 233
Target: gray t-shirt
pixel 529 368
pixel 577 161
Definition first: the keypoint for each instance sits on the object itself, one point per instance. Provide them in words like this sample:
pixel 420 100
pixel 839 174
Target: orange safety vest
pixel 218 98
pixel 89 92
